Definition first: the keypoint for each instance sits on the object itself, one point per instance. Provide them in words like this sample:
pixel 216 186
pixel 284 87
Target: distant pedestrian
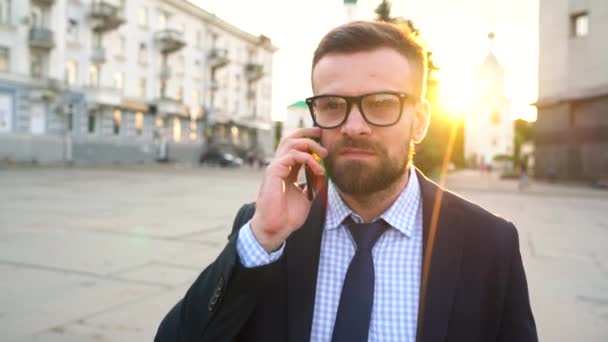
pixel 524 181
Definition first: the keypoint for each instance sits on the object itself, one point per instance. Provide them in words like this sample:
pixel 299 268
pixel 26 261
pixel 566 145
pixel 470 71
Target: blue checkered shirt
pixel 397 263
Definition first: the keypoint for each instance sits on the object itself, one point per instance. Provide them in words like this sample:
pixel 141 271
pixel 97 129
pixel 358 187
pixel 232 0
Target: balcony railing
pixel 214 85
pixel 169 41
pixel 165 72
pixel 98 55
pixel 44 2
pixel 218 58
pixel 105 16
pixel 41 38
pixel 167 105
pixel 254 71
pixel 103 96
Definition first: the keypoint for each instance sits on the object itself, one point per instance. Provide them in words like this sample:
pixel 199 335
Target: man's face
pixel 363 158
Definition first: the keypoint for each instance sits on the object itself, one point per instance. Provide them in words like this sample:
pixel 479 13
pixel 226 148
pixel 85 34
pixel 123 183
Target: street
pixel 101 254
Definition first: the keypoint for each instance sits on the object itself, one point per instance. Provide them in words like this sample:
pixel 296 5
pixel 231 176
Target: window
pixel 142 56
pixel 118 80
pixel 5 11
pixel 94 75
pixel 5 58
pixel 234 131
pixel 196 99
pixel 579 24
pixel 197 69
pixel 117 121
pixel 139 123
pixel 72 30
pixel 180 65
pixel 91 122
pixel 36 65
pixel 142 87
pixel 70 118
pixel 199 39
pixel 177 129
pixel 495 118
pixel 193 127
pixel 36 15
pixel 180 93
pixel 142 17
pixel 121 45
pixel 71 72
pixel 163 20
pixel 160 122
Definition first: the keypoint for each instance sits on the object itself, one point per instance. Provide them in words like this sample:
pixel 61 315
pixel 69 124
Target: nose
pixel 355 124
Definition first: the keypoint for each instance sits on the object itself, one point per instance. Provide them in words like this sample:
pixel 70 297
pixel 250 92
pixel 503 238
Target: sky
pixel 454 30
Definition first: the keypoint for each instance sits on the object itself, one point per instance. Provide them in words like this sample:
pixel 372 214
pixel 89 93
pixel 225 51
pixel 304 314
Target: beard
pixel 360 178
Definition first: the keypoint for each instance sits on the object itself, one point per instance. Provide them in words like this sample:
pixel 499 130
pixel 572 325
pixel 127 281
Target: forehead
pixel 363 72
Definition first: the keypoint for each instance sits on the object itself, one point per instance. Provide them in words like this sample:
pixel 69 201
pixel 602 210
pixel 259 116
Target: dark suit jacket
pixel 477 289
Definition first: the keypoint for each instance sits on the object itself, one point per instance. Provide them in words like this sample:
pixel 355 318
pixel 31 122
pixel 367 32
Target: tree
pixel 384 11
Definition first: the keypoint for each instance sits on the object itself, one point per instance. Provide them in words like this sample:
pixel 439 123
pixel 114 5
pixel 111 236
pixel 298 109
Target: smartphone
pixel 311 184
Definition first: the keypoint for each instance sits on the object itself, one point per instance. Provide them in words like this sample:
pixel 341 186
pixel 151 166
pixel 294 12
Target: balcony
pixel 165 73
pixel 169 41
pixel 45 89
pixel 214 86
pixel 98 55
pixel 41 38
pixel 105 16
pixel 43 2
pixel 218 58
pixel 103 96
pixel 254 71
pixel 167 105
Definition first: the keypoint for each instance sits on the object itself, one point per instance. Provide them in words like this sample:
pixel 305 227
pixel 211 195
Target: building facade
pixel 128 81
pixel 298 116
pixel 489 126
pixel 571 133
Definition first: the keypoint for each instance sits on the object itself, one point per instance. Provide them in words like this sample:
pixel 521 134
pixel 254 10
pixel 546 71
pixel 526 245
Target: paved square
pixel 101 254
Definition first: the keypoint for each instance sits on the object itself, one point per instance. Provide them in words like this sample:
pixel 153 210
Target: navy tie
pixel 355 308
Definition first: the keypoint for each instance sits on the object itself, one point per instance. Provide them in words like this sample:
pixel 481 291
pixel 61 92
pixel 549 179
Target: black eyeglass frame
pixel 350 100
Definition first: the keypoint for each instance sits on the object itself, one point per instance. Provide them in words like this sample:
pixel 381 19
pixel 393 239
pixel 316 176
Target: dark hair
pixel 359 36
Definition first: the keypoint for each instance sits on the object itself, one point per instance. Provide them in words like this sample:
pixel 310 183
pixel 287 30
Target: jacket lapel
pixel 302 257
pixel 444 266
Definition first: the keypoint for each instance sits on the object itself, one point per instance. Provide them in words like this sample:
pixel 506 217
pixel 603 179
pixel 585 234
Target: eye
pixel 330 103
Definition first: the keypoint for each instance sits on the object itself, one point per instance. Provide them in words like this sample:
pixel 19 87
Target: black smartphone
pixel 311 184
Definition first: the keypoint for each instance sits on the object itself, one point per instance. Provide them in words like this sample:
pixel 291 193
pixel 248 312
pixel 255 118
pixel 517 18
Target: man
pixel 381 253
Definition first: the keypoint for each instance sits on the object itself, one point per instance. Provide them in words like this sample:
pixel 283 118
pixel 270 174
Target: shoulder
pixel 484 232
pixel 476 217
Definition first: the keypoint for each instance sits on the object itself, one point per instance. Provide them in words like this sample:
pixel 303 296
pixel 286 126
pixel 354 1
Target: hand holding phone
pixel 311 180
pixel 282 205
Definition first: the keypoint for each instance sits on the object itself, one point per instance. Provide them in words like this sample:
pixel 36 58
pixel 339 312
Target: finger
pixel 312 132
pixel 304 144
pixel 286 164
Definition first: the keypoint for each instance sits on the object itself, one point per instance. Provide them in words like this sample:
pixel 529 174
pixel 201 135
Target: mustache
pixel 362 144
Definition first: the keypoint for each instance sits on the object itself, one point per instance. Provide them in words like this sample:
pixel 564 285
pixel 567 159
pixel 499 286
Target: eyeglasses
pixel 378 109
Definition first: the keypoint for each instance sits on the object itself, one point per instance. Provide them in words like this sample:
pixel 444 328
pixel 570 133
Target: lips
pixel 355 153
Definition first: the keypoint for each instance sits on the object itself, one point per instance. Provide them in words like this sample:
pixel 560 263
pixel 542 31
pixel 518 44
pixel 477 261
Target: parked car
pixel 221 158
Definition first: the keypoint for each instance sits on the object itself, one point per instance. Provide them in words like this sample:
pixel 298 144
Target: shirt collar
pixel 401 215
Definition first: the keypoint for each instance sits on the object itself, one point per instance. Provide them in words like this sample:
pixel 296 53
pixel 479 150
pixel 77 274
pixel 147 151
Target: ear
pixel 421 120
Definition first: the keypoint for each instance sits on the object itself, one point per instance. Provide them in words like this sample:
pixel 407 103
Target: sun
pixel 456 93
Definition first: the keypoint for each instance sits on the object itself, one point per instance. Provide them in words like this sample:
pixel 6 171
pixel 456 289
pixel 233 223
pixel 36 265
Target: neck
pixel 373 205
